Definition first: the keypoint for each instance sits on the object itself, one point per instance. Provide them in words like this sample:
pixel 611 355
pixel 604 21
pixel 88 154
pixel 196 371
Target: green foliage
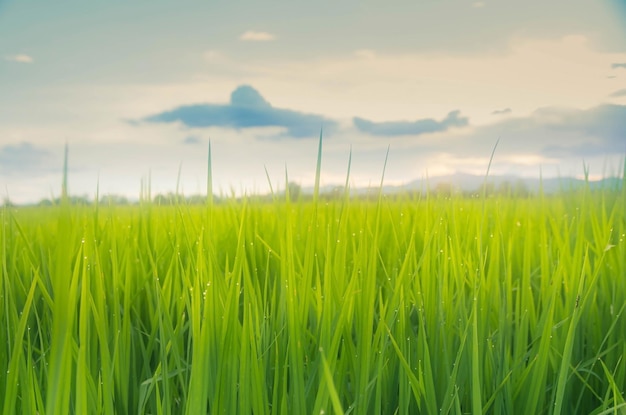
pixel 413 305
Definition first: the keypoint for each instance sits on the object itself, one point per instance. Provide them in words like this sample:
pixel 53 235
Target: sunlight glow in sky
pixel 139 88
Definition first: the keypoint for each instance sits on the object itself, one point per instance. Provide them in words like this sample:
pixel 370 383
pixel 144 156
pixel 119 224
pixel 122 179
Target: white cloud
pixel 254 36
pixel 478 4
pixel 21 58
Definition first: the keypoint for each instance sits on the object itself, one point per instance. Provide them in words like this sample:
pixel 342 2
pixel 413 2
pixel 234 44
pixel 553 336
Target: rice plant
pixel 398 305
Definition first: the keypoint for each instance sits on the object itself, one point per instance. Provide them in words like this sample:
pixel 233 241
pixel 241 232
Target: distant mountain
pixel 464 182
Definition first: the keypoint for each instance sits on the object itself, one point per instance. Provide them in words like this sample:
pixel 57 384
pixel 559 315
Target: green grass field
pixel 403 305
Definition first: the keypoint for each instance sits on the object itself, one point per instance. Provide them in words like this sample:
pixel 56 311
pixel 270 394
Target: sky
pixel 138 90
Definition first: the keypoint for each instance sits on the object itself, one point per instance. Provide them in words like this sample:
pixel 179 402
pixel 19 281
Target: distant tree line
pixel 489 189
pixel 294 192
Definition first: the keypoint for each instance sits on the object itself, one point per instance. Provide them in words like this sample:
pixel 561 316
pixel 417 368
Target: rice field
pixel 401 305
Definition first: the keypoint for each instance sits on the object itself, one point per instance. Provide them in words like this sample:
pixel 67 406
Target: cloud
pixel 191 139
pixel 502 111
pixel 606 123
pixel 619 65
pixel 21 158
pixel 478 4
pixel 556 133
pixel 254 36
pixel 247 109
pixel 397 128
pixel 617 94
pixel 19 58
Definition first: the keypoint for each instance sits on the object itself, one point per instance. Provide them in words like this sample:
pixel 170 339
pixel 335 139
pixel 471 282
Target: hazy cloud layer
pixel 192 139
pixel 502 111
pixel 606 123
pixel 620 93
pixel 556 133
pixel 19 58
pixel 619 65
pixel 397 128
pixel 22 158
pixel 247 109
pixel 254 36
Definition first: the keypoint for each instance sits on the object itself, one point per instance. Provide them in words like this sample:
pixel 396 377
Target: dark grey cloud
pixel 619 65
pixel 423 126
pixel 247 108
pixel 502 111
pixel 22 158
pixel 620 93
